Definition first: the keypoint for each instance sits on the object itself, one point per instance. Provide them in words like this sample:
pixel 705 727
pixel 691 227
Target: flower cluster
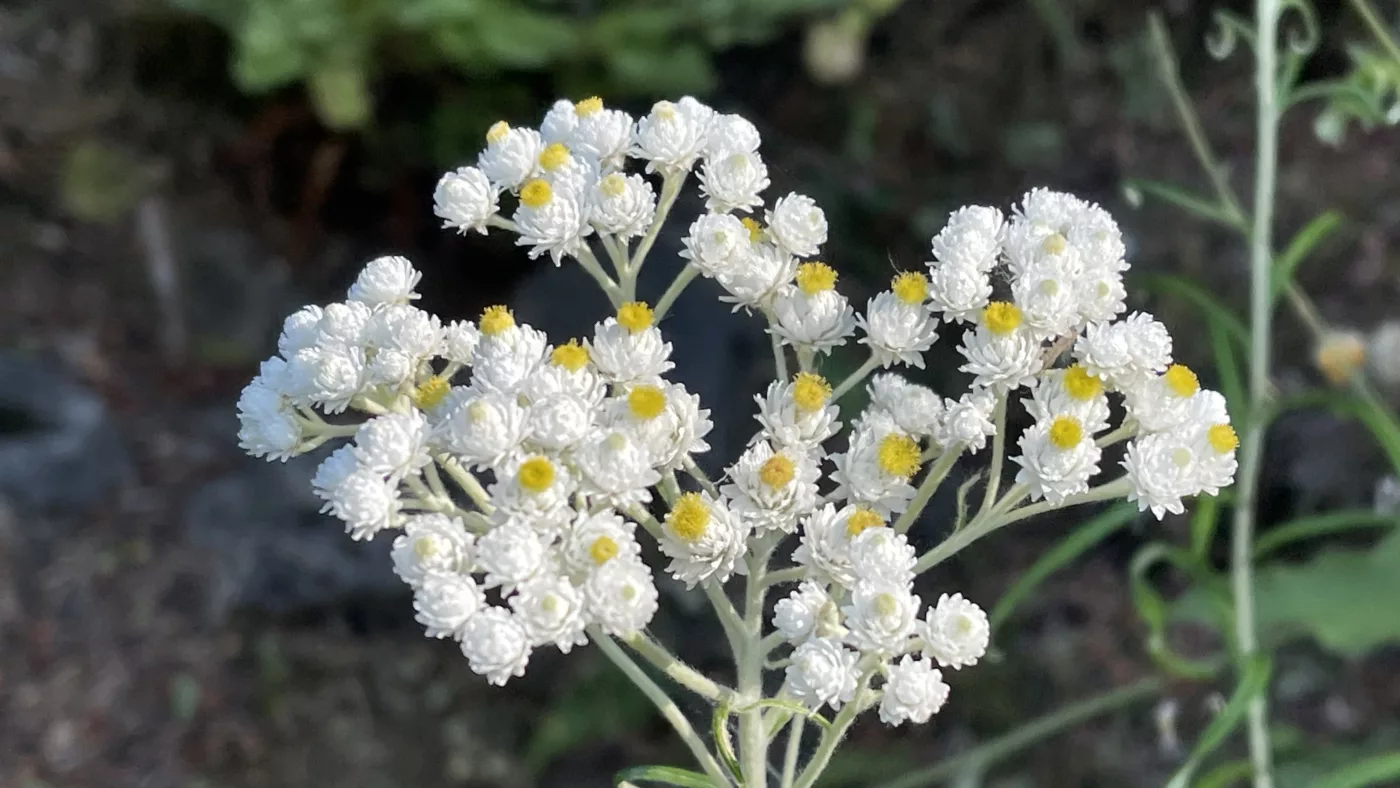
pixel 529 481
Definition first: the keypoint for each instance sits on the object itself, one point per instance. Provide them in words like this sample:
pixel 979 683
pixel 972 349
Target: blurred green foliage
pixel 613 47
pixel 1368 96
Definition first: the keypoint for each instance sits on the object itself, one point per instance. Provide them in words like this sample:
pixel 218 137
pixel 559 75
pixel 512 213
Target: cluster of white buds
pixel 529 483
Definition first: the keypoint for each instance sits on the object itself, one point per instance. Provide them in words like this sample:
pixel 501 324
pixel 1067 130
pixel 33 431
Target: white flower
pixel 1165 467
pixel 771 488
pixel 822 671
pixel 603 134
pixel 496 645
pixel 511 156
pixel 459 342
pixel 366 502
pixel 703 539
pixel 623 355
pixel 717 243
pixel 671 137
pixel 960 292
pixel 267 426
pixel 1162 402
pixel 756 276
pixel 733 181
pixel 880 554
pixel 327 375
pixel 597 539
pixel 558 422
pixel 896 330
pixel 665 419
pixel 797 225
pixel 820 320
pixel 798 414
pixel 970 240
pixel 827 534
pixel 616 470
pixel 300 330
pixel 484 431
pixel 1125 352
pixel 429 544
pixel 881 616
pixel 1047 296
pixel 534 492
pixel 914 691
pixel 875 470
pixel 915 409
pixel 555 378
pixel 465 200
pixel 1001 360
pixel 509 555
pixel 394 444
pixel 955 632
pixel 551 611
pixel 504 361
pixel 621 597
pixel 799 615
pixel 406 334
pixel 731 133
pixel 386 280
pixel 343 325
pixel 1069 392
pixel 1382 353
pixel 560 122
pixel 1057 459
pixel 552 220
pixel 332 472
pixel 967 421
pixel 622 205
pixel 445 602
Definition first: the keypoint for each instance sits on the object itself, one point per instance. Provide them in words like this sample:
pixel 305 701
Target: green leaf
pixel 1154 610
pixel 1307 239
pixel 1226 775
pixel 1372 771
pixel 1228 368
pixel 1254 679
pixel 1193 204
pixel 1203 521
pixel 663 775
pixel 1209 305
pixel 1319 525
pixel 1073 545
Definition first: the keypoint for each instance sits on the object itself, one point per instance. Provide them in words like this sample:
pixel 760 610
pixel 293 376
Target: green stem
pixel 929 486
pixel 686 676
pixel 753 739
pixel 998 456
pixel 1261 317
pixel 779 356
pixel 663 703
pixel 832 736
pixel 1378 28
pixel 854 379
pixel 794 748
pixel 670 188
pixel 678 285
pixel 1039 729
pixel 611 289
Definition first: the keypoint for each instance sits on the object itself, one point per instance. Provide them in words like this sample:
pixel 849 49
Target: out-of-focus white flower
pixel 267 426
pixel 300 330
pixel 822 671
pixel 621 597
pixel 970 240
pixel 955 632
pixel 880 554
pixel 465 200
pixel 967 421
pixel 914 691
pixel 797 225
pixel 915 409
pixel 366 502
pixel 1125 352
pixel 798 616
pixel 386 280
pixel 496 645
pixel 756 277
pixel 509 555
pixel 881 616
pixel 395 444
pixel 731 133
pixel 432 544
pixel 672 136
pixel 445 602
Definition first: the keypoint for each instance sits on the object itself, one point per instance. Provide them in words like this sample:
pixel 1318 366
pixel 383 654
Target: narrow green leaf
pixel 1254 679
pixel 1320 525
pixel 663 775
pixel 1307 239
pixel 1073 545
pixel 1203 521
pixel 1376 770
pixel 1226 775
pixel 1227 366
pixel 1202 300
pixel 1153 609
pixel 1193 204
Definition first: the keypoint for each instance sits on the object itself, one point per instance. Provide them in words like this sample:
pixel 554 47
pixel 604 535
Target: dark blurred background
pixel 177 176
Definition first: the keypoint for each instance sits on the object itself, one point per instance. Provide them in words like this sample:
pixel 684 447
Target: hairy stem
pixel 753 739
pixel 852 380
pixel 678 285
pixel 686 676
pixel 794 749
pixel 998 456
pixel 932 480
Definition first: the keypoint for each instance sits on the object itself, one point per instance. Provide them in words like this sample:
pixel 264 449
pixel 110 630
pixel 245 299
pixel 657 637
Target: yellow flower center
pixel 603 550
pixel 755 229
pixel 1222 438
pixel 425 547
pixel 1055 244
pixel 1066 432
pixel 1080 385
pixel 646 402
pixel 813 278
pixel 1001 317
pixel 497 132
pixel 536 193
pixel 776 471
pixel 862 520
pixel 554 156
pixel 1339 356
pixel 886 604
pixel 430 392
pixel 664 110
pixel 571 356
pixel 496 320
pixel 634 316
pixel 910 287
pixel 1181 457
pixel 613 185
pixel 689 517
pixel 810 392
pixel 1181 381
pixel 589 106
pixel 536 474
pixel 898 455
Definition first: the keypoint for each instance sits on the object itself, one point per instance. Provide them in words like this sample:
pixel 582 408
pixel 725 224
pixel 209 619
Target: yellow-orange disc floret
pixel 603 550
pixel 898 455
pixel 814 277
pixel 496 320
pixel 1066 432
pixel 588 106
pixel 777 471
pixel 910 287
pixel 689 517
pixel 634 316
pixel 571 356
pixel 1080 385
pixel 1001 317
pixel 810 392
pixel 646 402
pixel 862 519
pixel 1222 438
pixel 431 392
pixel 536 193
pixel 536 474
pixel 1181 381
pixel 554 156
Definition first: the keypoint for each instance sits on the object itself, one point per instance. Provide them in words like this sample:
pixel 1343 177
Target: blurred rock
pixel 59 447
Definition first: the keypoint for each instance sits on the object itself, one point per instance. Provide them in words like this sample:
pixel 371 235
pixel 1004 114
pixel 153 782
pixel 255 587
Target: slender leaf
pixel 1226 775
pixel 1204 301
pixel 1376 770
pixel 1320 525
pixel 1193 204
pixel 1153 609
pixel 1254 679
pixel 1203 522
pixel 663 775
pixel 1227 366
pixel 1075 544
pixel 1307 239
